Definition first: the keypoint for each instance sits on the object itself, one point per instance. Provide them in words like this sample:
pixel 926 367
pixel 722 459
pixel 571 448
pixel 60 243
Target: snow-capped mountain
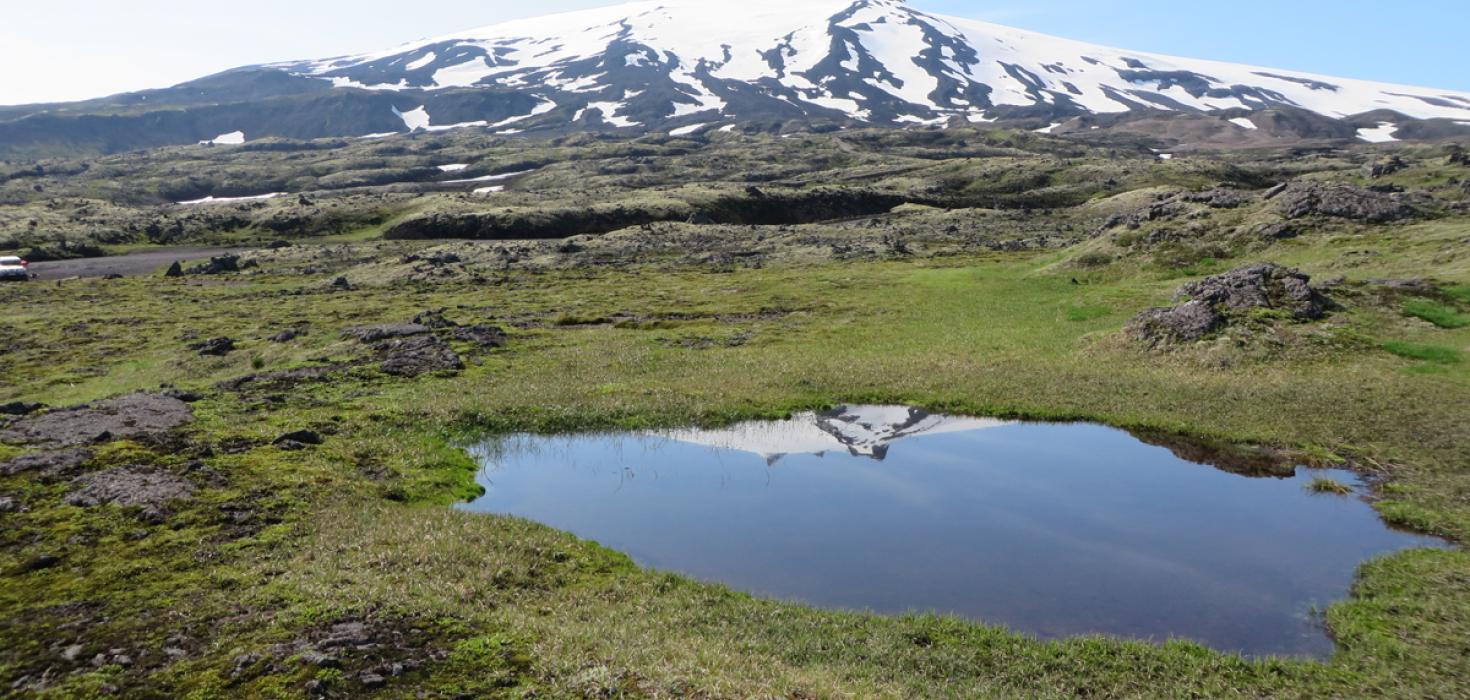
pixel 863 431
pixel 688 65
pixel 871 60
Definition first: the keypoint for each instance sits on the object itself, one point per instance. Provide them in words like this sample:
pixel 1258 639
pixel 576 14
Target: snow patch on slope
pixel 1383 133
pixel 414 119
pixel 234 138
pixel 227 200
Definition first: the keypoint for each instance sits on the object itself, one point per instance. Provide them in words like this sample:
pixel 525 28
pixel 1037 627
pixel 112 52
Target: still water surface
pixel 1051 529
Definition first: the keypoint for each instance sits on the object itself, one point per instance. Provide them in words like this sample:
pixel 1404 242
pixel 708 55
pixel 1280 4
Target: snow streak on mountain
pixel 877 61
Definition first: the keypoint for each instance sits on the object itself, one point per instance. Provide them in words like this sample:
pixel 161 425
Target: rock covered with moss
pixel 1341 200
pixel 1215 302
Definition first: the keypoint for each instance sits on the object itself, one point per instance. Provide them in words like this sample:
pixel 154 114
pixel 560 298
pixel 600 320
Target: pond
pixel 1055 530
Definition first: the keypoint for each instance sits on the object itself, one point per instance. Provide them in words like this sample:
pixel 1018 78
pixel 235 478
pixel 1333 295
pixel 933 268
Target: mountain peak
pixel 875 61
pixel 685 65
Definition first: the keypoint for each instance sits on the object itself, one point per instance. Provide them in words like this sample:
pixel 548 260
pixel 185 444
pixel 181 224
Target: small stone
pixel 174 270
pixel 20 408
pixel 72 653
pixel 372 680
pixel 304 437
pixel 312 657
pixel 242 663
pixel 39 562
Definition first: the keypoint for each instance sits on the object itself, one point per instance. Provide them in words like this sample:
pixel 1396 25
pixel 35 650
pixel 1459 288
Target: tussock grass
pixel 1437 354
pixel 1436 313
pixel 1329 486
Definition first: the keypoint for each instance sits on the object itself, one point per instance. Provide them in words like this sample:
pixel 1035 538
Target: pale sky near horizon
pixel 76 49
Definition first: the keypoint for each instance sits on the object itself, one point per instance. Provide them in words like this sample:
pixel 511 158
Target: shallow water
pixel 1051 529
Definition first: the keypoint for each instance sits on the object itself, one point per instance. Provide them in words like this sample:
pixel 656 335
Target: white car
pixel 13 268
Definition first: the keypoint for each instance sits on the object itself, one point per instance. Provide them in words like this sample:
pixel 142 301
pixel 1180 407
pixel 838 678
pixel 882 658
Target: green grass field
pixel 358 529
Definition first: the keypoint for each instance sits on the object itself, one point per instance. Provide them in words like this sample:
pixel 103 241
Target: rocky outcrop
pixel 385 331
pixel 1219 198
pixel 1214 302
pixel 1263 286
pixel 416 355
pixel 1189 321
pixel 131 416
pixel 131 487
pixel 47 464
pixel 422 347
pixel 1341 200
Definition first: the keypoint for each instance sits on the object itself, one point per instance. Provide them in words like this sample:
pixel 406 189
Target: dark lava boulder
pixel 1277 232
pixel 434 318
pixel 1214 302
pixel 483 336
pixel 298 438
pixel 214 347
pixel 1386 167
pixel 20 408
pixel 217 266
pixel 1341 200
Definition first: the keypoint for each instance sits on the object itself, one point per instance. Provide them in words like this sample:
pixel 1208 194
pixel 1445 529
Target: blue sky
pixel 74 49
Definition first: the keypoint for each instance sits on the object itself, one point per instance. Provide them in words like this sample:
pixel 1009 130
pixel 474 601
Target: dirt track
pixel 130 265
